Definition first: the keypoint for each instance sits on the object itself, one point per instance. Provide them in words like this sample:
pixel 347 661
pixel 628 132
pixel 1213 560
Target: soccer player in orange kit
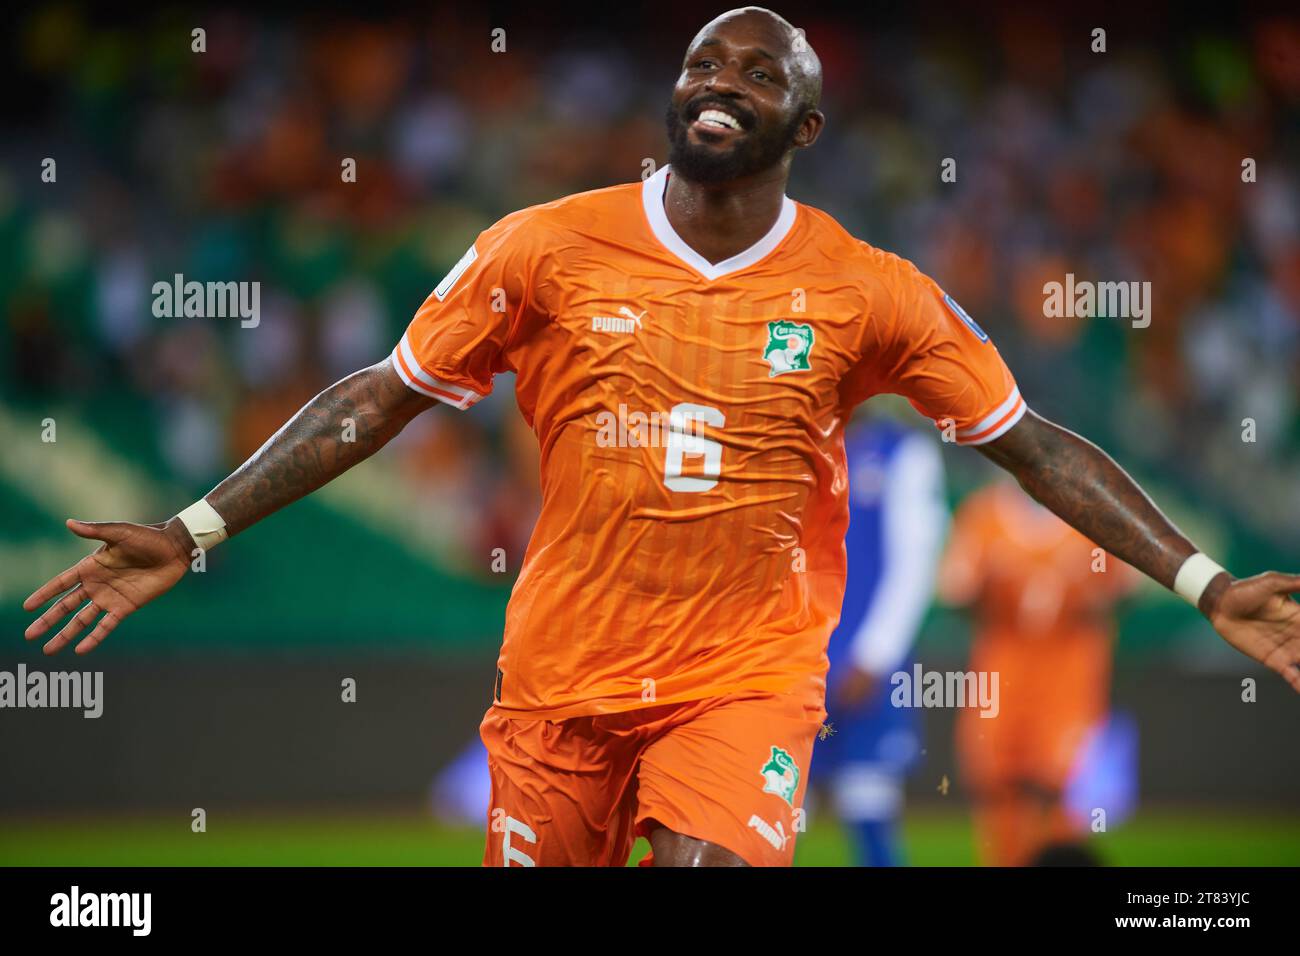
pixel 1042 596
pixel 687 350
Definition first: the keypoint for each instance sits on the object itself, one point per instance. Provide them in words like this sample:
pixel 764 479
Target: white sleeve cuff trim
pixel 424 383
pixel 988 428
pixel 992 418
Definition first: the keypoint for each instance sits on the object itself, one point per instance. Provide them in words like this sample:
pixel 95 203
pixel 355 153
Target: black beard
pixel 754 154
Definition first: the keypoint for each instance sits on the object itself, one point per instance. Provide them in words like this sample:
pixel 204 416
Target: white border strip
pixel 992 418
pixel 652 198
pixel 1006 426
pixel 426 384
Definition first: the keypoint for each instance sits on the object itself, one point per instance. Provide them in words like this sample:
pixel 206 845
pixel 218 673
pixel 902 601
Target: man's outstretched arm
pixel 343 425
pixel 1088 490
pixel 340 427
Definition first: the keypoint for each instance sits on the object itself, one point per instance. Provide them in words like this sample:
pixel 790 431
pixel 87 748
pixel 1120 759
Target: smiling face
pixel 746 98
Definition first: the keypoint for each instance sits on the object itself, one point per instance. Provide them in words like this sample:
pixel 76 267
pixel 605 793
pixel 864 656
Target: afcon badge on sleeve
pixel 781 775
pixel 789 345
pixel 962 314
pixel 456 272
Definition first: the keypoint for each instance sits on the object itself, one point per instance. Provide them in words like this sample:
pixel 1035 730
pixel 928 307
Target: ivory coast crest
pixel 789 347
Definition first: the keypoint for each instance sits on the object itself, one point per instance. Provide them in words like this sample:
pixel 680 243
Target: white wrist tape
pixel 1194 576
pixel 206 527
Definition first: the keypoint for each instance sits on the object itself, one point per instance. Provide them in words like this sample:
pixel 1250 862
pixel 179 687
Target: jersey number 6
pixel 684 440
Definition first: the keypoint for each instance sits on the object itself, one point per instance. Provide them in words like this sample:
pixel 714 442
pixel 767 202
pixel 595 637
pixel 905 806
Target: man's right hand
pixel 343 425
pixel 135 564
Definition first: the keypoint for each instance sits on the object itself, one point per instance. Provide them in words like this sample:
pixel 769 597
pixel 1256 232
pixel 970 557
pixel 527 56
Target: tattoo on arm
pixel 1089 491
pixel 310 449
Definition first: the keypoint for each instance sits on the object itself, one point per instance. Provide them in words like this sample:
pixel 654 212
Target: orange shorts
pixel 1054 692
pixel 731 770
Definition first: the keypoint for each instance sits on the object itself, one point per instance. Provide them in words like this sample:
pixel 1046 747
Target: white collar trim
pixel 652 198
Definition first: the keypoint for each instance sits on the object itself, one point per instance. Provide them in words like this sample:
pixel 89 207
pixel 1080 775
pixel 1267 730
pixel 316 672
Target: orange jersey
pixel 1028 574
pixel 690 418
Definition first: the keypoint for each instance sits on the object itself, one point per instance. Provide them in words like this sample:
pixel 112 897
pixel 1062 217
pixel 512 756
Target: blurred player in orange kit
pixel 1042 596
pixel 687 350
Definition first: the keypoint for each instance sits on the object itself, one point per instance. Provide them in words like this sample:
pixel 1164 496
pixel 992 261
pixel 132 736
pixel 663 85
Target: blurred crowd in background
pixel 226 165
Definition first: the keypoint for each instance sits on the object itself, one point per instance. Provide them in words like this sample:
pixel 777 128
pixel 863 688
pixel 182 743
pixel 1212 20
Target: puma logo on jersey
pixel 774 835
pixel 625 321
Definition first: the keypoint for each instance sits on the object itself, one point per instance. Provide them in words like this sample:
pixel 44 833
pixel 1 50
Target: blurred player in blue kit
pixel 898 519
